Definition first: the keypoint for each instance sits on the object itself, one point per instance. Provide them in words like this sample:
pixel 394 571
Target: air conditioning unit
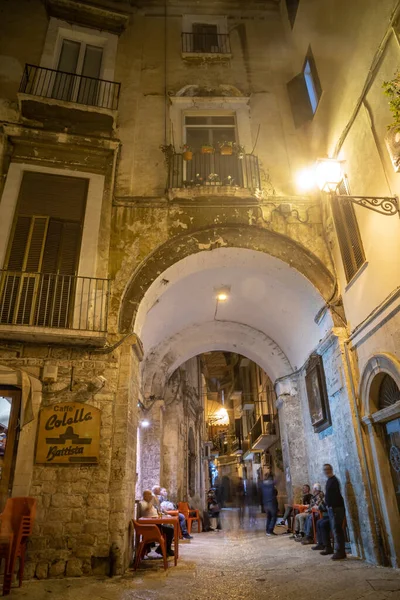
pixel 392 140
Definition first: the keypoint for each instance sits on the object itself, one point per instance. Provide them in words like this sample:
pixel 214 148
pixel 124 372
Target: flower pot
pixel 187 155
pixel 226 150
pixel 207 150
pixel 392 140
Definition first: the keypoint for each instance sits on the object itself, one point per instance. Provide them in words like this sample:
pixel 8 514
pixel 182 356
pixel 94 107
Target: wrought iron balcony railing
pixel 206 43
pixel 214 170
pixel 70 87
pixel 53 300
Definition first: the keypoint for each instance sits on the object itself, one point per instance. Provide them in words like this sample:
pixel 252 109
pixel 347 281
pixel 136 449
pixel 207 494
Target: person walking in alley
pixel 270 503
pixel 336 512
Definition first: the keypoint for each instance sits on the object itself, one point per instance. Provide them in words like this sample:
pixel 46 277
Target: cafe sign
pixel 69 433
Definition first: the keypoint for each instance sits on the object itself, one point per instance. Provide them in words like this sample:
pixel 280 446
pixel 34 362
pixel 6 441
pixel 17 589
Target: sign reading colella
pixel 69 433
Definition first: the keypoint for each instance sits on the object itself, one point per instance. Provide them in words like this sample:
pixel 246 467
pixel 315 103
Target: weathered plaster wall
pixel 294 448
pixel 184 411
pixel 81 509
pixel 260 67
pixel 345 60
pixel 339 445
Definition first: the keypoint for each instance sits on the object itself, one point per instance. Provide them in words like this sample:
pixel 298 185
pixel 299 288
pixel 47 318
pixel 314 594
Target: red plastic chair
pixel 190 516
pixel 147 534
pixel 16 521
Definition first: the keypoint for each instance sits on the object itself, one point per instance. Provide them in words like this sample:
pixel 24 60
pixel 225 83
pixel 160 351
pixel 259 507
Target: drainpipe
pixel 354 400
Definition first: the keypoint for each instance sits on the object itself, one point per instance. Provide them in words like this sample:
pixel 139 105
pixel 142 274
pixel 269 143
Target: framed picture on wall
pixel 317 394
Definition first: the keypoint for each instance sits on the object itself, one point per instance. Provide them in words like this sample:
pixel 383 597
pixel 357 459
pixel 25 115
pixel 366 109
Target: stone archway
pixel 246 237
pixel 380 396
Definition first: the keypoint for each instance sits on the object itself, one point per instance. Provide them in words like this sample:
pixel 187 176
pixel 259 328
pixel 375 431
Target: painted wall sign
pixel 69 433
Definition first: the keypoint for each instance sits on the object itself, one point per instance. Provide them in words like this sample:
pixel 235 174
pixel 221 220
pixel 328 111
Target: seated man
pixel 148 509
pixel 287 517
pixel 308 529
pixel 324 535
pixel 164 506
pixel 301 518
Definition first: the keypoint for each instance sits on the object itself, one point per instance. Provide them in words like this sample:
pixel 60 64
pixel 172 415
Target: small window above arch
pixel 388 393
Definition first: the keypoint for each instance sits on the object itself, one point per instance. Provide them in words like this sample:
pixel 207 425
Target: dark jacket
pixel 269 492
pixel 333 496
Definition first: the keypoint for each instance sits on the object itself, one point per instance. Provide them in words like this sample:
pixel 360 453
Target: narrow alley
pixel 234 564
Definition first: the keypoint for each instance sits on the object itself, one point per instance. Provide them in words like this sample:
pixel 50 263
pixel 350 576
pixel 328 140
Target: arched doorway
pixel 380 394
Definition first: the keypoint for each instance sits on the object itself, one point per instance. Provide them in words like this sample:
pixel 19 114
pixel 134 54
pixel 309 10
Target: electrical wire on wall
pixel 165 73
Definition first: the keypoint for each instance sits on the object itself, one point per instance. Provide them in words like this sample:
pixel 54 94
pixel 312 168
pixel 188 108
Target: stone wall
pixel 82 509
pixel 340 446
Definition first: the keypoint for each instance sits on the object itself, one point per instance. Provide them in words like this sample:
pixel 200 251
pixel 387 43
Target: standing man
pixel 335 504
pixel 270 503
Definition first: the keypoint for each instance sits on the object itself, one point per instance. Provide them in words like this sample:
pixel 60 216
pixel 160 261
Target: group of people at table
pixel 324 511
pixel 155 504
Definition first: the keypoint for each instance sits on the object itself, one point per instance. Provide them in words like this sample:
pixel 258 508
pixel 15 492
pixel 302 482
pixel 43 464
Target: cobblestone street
pixel 234 565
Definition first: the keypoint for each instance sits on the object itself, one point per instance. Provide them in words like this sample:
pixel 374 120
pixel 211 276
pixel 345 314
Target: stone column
pixel 294 449
pixel 151 454
pixel 123 456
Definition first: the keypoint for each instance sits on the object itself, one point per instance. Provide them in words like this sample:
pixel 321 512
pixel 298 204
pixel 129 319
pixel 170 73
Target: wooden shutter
pixel 43 254
pixel 349 238
pixel 56 196
pixel 58 282
pixel 299 100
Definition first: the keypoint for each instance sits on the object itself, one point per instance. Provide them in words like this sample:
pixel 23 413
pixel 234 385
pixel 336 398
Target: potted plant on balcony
pixel 187 152
pixel 239 150
pixel 168 150
pixel 392 91
pixel 213 179
pixel 226 148
pixel 207 149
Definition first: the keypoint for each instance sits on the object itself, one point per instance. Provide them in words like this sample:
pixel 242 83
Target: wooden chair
pixel 16 522
pixel 297 509
pixel 147 534
pixel 190 516
pixel 316 515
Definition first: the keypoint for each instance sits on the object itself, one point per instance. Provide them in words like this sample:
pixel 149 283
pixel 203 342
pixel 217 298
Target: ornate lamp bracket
pixel 384 205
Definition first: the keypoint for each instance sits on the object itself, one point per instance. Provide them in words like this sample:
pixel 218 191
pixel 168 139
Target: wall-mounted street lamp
pixel 328 177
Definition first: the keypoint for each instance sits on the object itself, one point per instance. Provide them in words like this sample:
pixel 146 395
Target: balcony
pixel 263 434
pixel 210 45
pixel 67 100
pixel 215 173
pixel 51 307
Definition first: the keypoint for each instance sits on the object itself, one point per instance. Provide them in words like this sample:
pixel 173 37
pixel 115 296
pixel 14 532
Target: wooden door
pixel 10 409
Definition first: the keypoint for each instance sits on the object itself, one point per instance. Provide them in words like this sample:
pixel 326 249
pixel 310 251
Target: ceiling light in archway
pixel 222 293
pixel 145 423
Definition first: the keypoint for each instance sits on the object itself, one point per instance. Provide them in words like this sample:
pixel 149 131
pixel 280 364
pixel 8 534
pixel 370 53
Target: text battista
pixel 69 433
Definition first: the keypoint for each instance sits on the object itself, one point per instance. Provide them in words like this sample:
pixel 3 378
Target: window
pixel 43 254
pixel 78 58
pixel 201 130
pixel 305 91
pixel 349 238
pixel 205 37
pixel 292 7
pixel 213 166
